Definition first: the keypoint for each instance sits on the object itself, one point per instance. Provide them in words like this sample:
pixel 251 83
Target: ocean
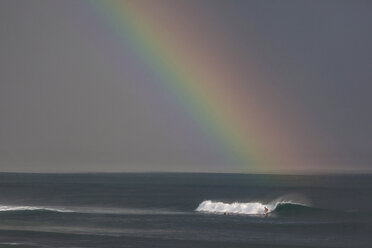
pixel 185 210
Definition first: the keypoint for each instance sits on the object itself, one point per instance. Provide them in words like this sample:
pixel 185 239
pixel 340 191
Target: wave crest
pixel 249 208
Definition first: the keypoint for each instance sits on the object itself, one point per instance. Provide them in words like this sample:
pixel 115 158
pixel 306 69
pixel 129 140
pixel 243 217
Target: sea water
pixel 185 210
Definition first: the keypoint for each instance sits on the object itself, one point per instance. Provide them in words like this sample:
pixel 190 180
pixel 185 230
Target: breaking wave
pixel 251 208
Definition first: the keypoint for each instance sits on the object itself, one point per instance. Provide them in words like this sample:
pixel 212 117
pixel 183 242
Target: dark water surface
pixel 184 210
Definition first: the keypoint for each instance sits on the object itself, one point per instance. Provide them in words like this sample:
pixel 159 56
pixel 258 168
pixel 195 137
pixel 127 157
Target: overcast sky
pixel 73 92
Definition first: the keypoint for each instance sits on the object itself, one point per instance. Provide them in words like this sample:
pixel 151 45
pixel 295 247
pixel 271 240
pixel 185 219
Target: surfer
pixel 266 211
pixel 226 213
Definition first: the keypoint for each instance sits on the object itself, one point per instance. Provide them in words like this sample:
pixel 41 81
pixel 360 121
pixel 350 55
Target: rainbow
pixel 207 87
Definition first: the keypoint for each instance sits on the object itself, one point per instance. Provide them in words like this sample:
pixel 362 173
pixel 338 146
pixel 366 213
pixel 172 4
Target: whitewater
pixel 248 208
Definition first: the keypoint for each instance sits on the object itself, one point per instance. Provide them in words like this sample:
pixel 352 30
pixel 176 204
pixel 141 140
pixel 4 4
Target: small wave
pixel 249 208
pixel 84 210
pixel 4 208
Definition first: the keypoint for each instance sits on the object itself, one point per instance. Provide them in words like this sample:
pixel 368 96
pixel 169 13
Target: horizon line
pixel 297 173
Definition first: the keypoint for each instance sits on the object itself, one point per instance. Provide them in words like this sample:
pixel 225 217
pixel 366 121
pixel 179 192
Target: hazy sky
pixel 80 91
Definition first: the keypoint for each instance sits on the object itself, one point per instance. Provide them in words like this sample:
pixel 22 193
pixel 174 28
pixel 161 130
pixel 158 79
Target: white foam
pixel 236 207
pixel 249 208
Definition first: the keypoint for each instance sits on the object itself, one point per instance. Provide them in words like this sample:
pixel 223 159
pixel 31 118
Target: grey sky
pixel 66 105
